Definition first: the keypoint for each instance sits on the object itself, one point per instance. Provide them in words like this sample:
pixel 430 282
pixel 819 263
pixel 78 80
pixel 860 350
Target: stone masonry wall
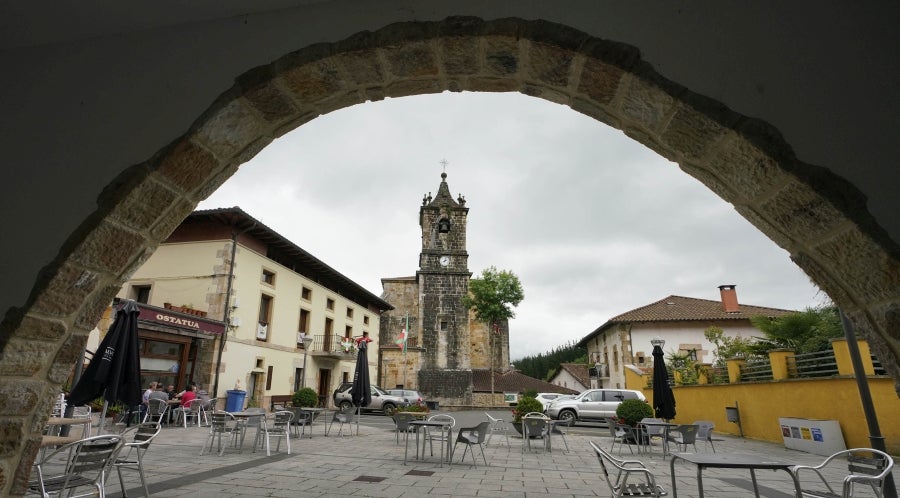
pixel 817 217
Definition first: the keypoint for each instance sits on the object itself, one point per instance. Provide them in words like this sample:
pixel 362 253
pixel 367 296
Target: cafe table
pixel 643 432
pixel 54 424
pixel 316 413
pixel 47 441
pixel 417 425
pixel 731 461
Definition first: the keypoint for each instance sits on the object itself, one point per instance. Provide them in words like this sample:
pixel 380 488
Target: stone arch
pixel 819 218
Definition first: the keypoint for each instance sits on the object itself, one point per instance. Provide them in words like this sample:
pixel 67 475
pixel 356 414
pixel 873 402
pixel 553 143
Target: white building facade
pixel 271 294
pixel 624 341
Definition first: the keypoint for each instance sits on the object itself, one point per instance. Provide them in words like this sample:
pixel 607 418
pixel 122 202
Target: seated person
pixel 186 397
pixel 202 395
pixel 171 391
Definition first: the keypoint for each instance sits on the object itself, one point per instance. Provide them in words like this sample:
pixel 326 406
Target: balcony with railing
pixel 334 346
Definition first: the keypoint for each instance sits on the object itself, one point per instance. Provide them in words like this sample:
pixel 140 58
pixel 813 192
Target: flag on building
pixel 404 334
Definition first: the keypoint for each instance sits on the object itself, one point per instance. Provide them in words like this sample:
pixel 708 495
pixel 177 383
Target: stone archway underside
pixel 820 219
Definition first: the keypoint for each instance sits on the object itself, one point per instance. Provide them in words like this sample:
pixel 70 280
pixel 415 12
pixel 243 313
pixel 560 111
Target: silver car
pixel 380 400
pixel 593 405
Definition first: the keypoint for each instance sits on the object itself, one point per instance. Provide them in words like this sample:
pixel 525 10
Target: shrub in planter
pixel 527 404
pixel 632 411
pixel 305 397
pixel 412 409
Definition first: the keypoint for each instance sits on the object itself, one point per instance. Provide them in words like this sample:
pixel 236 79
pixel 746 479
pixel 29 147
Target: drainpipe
pixel 227 316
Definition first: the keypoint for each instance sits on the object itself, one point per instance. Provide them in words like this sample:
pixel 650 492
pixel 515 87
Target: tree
pixel 727 347
pixel 808 331
pixel 493 297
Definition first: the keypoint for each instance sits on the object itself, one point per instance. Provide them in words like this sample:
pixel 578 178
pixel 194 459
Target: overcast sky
pixel 592 222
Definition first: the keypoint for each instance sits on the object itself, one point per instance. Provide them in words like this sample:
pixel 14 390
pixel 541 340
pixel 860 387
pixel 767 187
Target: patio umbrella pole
pixel 102 417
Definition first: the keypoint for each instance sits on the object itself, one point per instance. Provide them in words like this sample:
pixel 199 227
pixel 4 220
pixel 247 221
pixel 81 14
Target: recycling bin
pixel 234 402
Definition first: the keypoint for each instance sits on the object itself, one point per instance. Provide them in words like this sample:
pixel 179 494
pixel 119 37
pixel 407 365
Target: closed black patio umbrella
pixel 663 398
pixel 361 390
pixel 115 371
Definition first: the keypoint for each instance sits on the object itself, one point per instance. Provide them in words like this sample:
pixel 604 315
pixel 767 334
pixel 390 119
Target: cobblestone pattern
pixel 820 219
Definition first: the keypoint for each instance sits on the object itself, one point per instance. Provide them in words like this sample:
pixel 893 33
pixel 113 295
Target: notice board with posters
pixel 820 437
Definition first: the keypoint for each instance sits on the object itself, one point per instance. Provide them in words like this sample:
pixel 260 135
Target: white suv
pixel 546 398
pixel 593 404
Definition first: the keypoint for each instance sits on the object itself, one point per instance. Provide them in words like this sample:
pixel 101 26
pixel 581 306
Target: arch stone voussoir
pixel 819 218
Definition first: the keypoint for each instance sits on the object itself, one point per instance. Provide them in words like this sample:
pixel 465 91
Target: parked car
pixel 546 398
pixel 411 397
pixel 593 404
pixel 381 400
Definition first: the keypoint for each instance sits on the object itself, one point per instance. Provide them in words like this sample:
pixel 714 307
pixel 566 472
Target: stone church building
pixel 445 344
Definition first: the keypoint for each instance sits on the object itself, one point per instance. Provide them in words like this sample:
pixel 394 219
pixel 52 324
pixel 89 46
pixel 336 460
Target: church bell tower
pixel 443 281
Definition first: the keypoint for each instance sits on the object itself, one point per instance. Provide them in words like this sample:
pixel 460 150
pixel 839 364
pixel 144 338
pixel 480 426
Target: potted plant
pixel 632 411
pixel 526 405
pixel 413 411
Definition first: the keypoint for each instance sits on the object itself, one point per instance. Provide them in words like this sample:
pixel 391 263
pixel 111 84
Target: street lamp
pixel 658 341
pixel 307 342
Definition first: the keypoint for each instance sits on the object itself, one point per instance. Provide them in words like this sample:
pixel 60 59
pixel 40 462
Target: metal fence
pixel 818 364
pixel 755 370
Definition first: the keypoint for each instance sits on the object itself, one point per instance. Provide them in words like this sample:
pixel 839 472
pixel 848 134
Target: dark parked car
pixel 381 400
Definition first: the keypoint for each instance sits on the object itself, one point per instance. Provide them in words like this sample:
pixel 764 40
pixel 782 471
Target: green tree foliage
pixel 728 347
pixel 543 365
pixel 805 332
pixel 493 296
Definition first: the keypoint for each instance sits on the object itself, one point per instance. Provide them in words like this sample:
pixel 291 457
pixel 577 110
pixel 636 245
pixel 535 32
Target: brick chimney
pixel 729 299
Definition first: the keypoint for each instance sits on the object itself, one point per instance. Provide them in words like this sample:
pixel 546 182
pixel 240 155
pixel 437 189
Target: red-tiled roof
pixel 685 309
pixel 513 382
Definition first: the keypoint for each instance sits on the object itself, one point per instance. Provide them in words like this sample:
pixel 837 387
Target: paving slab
pixel 371 464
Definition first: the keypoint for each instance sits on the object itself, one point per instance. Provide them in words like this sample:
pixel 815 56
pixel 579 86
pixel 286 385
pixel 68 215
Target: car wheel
pixel 568 416
pixel 389 409
pixel 346 405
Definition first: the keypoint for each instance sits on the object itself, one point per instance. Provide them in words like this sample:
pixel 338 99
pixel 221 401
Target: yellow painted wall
pixel 762 403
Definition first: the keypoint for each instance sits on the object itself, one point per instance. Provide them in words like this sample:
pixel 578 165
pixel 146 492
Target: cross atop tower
pixel 444 164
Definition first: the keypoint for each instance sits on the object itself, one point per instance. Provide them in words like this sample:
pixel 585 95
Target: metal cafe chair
pixel 220 424
pixel 627 477
pixel 84 463
pixel 342 417
pixel 156 411
pixel 442 434
pixel 535 425
pixel 865 466
pixel 280 429
pixel 132 455
pixel 499 427
pixel 471 437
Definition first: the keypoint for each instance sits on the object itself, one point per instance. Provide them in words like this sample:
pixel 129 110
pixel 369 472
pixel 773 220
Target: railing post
pixel 734 369
pixel 778 359
pixel 842 356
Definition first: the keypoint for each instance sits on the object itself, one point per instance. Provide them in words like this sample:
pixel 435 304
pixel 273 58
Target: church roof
pixel 443 198
pixel 513 382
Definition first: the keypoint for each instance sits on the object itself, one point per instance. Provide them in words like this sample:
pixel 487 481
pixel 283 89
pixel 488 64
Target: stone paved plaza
pixel 371 464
